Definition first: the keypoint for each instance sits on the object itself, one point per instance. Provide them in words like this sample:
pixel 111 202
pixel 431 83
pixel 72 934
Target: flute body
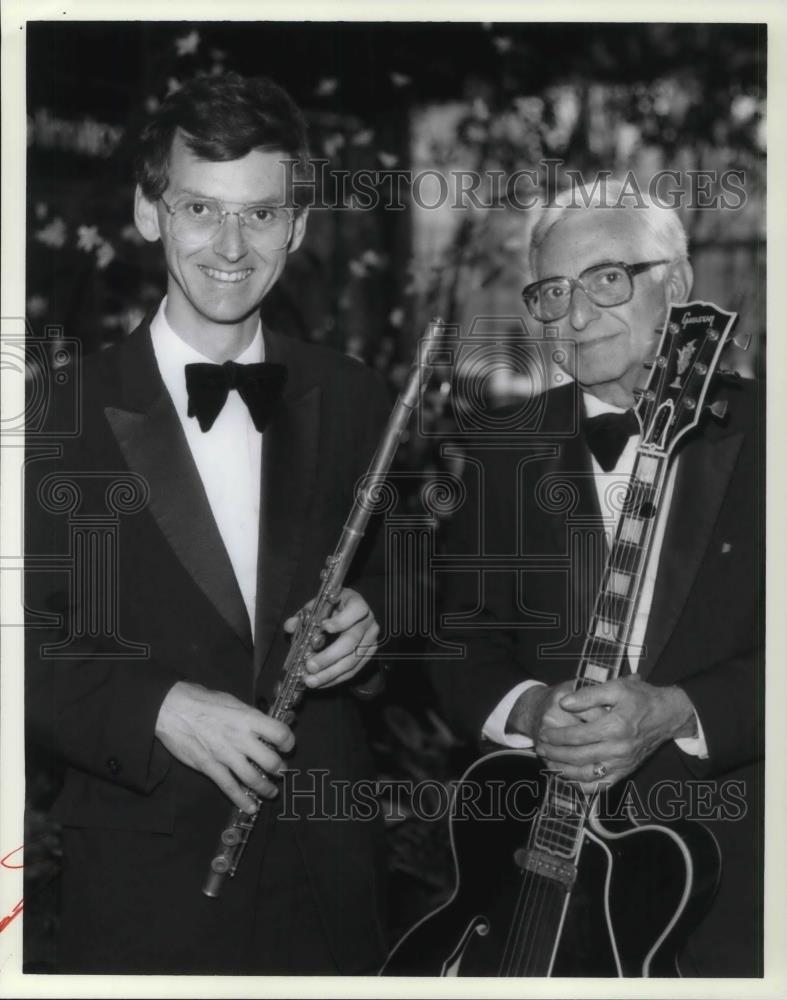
pixel 309 636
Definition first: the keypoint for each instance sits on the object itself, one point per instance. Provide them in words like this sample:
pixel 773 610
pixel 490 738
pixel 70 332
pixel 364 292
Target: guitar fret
pixel 613 606
pixel 563 826
pixel 595 673
pixel 604 650
pixel 623 557
pixel 564 823
pixel 606 629
pixel 647 468
pixel 630 530
pixel 556 835
pixel 564 805
pixel 555 840
pixel 619 582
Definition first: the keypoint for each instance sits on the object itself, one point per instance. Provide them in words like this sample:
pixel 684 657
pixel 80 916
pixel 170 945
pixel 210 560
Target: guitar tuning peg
pixel 728 375
pixel 718 409
pixel 742 341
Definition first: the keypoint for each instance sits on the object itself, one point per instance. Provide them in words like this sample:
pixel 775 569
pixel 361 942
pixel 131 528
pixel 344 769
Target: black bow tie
pixel 259 386
pixel 607 435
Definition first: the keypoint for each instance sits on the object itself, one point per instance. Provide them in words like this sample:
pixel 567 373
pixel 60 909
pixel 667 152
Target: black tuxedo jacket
pixel 140 828
pixel 535 500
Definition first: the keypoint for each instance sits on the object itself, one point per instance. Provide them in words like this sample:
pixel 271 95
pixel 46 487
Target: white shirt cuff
pixel 495 726
pixel 695 746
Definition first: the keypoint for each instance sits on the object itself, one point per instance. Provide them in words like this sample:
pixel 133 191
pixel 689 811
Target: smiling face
pixel 214 290
pixel 613 343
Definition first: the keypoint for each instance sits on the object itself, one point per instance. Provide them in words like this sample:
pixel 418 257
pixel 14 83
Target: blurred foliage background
pixel 429 101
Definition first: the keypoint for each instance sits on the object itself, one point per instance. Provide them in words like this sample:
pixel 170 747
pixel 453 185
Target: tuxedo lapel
pixel 149 434
pixel 585 540
pixel 706 464
pixel 289 467
pixel 578 535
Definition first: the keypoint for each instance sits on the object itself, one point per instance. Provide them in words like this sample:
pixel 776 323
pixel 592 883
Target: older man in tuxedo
pixel 687 717
pixel 245 447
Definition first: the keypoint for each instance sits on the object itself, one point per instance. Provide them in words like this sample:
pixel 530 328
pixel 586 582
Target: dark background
pixel 418 96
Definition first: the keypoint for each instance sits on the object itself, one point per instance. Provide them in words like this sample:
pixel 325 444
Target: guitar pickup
pixel 542 863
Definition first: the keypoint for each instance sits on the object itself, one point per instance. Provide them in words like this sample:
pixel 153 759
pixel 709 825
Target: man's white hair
pixel 664 232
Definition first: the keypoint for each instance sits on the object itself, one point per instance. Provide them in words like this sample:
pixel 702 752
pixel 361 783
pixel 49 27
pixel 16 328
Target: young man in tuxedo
pixel 686 724
pixel 239 451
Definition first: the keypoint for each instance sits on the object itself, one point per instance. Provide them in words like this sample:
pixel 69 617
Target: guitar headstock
pixel 694 335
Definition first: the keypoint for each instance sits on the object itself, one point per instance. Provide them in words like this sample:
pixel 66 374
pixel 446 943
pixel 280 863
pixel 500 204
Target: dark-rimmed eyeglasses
pixel 607 284
pixel 194 221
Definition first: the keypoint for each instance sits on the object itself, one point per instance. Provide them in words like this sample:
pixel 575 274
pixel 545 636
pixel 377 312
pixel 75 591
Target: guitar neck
pixel 561 819
pixel 607 641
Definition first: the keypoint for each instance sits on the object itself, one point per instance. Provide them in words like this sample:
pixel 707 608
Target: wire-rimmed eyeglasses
pixel 194 221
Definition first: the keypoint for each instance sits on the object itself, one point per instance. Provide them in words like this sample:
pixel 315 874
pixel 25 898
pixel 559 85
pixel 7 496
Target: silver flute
pixel 309 636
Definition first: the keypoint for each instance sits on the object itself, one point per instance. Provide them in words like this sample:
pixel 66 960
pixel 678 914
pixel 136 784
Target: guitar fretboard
pixel 561 818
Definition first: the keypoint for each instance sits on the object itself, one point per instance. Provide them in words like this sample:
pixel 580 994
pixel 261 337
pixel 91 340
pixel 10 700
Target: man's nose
pixel 583 310
pixel 230 241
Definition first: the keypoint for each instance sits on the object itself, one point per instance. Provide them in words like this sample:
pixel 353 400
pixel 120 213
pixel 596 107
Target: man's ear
pixel 298 230
pixel 679 281
pixel 146 217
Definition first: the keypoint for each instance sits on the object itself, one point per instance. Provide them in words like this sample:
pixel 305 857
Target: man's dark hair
pixel 220 118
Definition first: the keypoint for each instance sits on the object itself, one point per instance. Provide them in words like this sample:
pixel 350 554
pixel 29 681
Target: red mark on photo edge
pixel 4 862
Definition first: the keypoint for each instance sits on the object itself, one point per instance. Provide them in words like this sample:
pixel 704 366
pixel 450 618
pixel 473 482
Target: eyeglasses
pixel 194 221
pixel 608 284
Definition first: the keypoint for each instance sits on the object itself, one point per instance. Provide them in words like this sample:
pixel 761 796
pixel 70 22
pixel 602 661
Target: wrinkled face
pixel 613 343
pixel 225 280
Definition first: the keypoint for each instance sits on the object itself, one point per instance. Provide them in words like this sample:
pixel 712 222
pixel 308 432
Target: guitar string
pixel 529 906
pixel 534 949
pixel 546 891
pixel 524 905
pixel 530 941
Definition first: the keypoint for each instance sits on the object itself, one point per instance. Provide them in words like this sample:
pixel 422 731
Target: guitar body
pixel 639 890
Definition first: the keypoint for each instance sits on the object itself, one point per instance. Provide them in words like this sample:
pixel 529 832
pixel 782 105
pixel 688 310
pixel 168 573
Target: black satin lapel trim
pixel 700 486
pixel 289 468
pixel 583 538
pixel 154 446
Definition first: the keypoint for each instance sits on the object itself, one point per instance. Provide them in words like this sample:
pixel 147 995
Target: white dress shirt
pixel 495 726
pixel 228 457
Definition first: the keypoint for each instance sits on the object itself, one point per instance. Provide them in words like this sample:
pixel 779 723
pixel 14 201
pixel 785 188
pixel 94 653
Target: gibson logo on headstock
pixel 687 319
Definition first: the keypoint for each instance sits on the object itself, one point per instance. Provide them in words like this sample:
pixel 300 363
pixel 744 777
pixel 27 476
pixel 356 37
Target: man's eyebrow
pixel 197 194
pixel 262 202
